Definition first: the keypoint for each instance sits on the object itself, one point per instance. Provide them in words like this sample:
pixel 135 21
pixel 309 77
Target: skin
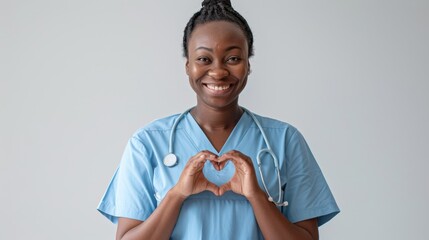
pixel 218 67
pixel 222 63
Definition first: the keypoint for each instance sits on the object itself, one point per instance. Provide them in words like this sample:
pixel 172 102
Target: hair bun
pixel 207 3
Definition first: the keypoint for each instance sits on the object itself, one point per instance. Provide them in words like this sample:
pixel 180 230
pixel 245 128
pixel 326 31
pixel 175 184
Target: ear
pixel 187 67
pixel 249 69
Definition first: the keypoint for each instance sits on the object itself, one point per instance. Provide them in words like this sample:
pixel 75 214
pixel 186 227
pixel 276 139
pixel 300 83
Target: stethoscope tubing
pixel 168 162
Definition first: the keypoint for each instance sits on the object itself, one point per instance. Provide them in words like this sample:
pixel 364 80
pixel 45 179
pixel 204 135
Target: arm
pixel 275 226
pixel 270 220
pixel 161 222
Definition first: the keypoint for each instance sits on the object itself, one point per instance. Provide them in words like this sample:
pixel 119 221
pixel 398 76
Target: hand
pixel 192 179
pixel 244 179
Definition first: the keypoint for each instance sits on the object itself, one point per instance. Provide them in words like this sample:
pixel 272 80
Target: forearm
pixel 272 222
pixel 161 222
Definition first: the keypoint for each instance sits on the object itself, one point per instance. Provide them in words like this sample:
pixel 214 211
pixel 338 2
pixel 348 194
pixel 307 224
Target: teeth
pixel 216 87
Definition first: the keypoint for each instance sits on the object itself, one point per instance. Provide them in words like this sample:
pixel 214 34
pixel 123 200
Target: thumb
pixel 224 188
pixel 212 188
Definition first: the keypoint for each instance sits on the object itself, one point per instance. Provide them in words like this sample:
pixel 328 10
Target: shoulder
pixel 157 126
pixel 277 129
pixel 272 123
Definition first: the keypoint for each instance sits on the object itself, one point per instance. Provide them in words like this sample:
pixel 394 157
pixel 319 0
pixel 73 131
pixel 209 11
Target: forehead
pixel 215 33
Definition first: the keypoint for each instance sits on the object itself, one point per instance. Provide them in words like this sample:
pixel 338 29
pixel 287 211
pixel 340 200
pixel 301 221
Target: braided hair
pixel 217 10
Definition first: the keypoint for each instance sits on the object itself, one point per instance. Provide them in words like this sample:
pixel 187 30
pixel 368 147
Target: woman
pixel 213 190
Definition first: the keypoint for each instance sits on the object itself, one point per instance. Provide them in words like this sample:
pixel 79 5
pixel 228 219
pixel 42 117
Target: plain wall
pixel 77 78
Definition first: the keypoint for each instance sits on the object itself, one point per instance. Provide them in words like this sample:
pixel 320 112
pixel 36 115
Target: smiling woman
pixel 210 189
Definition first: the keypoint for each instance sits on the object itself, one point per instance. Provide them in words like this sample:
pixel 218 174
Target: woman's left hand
pixel 244 181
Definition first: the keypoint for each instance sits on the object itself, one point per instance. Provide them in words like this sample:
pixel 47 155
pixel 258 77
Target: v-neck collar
pixel 201 141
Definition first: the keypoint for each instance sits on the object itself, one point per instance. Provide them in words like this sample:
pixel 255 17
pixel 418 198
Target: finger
pixel 212 188
pixel 237 161
pixel 235 153
pixel 235 156
pixel 216 165
pixel 195 163
pixel 242 166
pixel 224 188
pixel 193 158
pixel 222 160
pixel 209 155
pixel 199 161
pixel 222 165
pixel 206 153
pixel 229 154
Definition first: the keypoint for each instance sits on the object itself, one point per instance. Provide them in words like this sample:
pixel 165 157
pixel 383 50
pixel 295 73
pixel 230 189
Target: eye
pixel 233 59
pixel 204 60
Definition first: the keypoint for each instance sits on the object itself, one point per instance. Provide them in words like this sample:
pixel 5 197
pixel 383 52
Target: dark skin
pixel 217 66
pixel 214 65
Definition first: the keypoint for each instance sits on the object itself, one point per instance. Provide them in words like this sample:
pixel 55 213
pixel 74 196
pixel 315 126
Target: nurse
pixel 215 190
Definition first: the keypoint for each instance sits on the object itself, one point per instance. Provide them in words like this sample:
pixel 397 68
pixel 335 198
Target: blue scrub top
pixel 142 180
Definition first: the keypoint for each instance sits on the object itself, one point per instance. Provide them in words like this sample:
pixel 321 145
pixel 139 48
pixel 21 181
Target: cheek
pixel 195 72
pixel 241 72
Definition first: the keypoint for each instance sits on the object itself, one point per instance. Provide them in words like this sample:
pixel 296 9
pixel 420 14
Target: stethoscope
pixel 170 160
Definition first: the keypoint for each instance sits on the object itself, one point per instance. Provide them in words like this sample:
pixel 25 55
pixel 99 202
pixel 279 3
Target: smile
pixel 217 87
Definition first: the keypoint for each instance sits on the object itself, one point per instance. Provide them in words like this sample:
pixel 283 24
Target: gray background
pixel 77 78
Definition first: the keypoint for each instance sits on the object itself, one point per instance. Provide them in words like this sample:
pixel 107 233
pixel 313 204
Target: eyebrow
pixel 211 50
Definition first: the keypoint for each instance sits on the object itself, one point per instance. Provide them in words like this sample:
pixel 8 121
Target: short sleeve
pixel 306 191
pixel 130 193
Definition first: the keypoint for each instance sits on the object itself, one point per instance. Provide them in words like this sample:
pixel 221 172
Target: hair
pixel 217 10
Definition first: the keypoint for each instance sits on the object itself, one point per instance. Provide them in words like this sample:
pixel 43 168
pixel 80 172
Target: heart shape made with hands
pixel 219 177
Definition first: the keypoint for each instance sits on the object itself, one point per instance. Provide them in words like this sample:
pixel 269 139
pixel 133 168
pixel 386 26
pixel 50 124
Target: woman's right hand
pixel 163 219
pixel 192 179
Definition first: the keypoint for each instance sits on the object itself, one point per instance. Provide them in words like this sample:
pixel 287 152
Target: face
pixel 218 63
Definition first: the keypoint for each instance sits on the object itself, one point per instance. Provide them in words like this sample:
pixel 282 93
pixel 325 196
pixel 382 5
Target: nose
pixel 218 71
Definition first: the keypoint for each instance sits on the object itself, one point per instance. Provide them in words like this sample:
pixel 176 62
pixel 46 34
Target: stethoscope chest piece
pixel 170 160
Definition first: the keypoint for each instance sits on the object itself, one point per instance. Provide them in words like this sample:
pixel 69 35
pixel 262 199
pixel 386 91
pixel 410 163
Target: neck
pixel 217 119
